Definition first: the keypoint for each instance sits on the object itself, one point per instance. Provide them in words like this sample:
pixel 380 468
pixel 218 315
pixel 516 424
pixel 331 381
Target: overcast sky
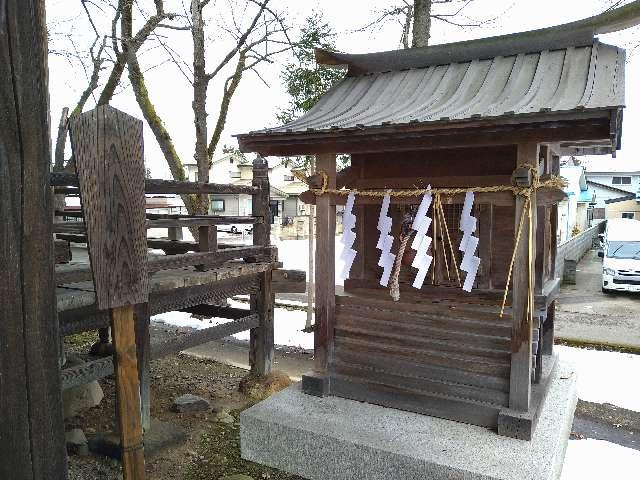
pixel 255 104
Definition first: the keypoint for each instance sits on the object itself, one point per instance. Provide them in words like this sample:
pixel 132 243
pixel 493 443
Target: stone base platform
pixel 334 438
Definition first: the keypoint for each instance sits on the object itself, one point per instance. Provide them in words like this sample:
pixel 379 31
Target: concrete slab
pixel 335 438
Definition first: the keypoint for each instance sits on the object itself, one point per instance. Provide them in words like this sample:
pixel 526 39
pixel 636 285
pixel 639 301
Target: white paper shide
pixel 421 241
pixel 385 242
pixel 469 243
pixel 348 254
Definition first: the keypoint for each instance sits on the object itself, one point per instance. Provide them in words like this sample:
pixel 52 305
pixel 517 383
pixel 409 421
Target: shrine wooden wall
pixel 463 167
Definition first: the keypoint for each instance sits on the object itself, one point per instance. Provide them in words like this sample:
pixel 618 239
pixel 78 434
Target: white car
pixel 621 256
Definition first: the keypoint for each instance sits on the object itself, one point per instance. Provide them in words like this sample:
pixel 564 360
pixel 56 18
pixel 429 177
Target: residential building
pixel 286 209
pixel 575 212
pixel 624 207
pixel 609 185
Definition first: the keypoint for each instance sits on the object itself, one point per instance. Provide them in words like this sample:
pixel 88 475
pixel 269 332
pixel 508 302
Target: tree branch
pixel 229 89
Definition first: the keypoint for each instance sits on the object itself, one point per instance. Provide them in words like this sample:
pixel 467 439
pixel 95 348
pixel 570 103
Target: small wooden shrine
pixel 474 131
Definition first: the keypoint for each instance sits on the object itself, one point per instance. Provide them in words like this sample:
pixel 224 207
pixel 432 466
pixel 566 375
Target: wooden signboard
pixel 108 149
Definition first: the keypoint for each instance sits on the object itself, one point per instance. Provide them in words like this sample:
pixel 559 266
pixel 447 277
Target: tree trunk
pixel 199 104
pixel 163 138
pixel 421 23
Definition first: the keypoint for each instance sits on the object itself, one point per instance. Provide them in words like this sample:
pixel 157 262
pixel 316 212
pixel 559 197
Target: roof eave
pixel 594 124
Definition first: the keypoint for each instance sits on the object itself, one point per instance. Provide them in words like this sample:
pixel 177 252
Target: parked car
pixel 621 256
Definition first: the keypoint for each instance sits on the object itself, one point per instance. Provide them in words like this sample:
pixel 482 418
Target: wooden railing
pixel 207 252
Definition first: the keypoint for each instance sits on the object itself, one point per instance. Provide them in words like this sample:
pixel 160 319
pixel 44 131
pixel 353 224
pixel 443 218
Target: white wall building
pixel 574 211
pixel 612 184
pixel 235 169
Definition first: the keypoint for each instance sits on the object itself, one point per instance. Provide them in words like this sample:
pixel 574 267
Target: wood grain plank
pixel 107 145
pixel 401 380
pixel 152 185
pixel 32 444
pixel 413 367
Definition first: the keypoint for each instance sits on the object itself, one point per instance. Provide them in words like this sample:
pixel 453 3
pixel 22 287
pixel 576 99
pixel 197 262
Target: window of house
pixel 234 174
pixel 195 176
pixel 288 178
pixel 630 215
pixel 621 181
pixel 217 205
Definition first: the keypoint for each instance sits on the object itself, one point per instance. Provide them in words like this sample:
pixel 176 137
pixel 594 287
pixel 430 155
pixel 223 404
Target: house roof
pixel 613 173
pixel 608 187
pixel 625 198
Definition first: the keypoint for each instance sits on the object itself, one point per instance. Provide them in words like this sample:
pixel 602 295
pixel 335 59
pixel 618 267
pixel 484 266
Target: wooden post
pixel 522 328
pixel 108 148
pixel 143 349
pixel 208 241
pixel 32 442
pixel 317 382
pixel 174 233
pixel 555 170
pixel 325 267
pixel 261 338
pixel 128 392
pixel 548 330
pixel 541 249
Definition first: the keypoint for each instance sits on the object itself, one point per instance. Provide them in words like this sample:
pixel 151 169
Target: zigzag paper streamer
pixel 385 242
pixel 348 254
pixel 421 241
pixel 469 243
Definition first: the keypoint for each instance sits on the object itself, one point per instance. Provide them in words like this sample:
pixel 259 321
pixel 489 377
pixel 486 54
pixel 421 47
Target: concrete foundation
pixel 334 438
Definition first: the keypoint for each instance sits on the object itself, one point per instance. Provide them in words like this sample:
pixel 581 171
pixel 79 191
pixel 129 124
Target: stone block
pixel 79 399
pixel 190 403
pixel 339 439
pixel 77 442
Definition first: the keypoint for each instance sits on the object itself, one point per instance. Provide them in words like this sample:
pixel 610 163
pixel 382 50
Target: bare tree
pixel 107 52
pixel 416 16
pixel 261 36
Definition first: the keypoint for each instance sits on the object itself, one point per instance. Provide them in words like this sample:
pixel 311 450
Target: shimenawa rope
pixel 551 182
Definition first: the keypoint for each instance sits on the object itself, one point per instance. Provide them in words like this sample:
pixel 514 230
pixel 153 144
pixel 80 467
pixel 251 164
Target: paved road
pixel 586 314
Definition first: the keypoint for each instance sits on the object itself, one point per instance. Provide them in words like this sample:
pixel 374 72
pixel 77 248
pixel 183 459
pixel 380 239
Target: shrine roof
pixel 513 79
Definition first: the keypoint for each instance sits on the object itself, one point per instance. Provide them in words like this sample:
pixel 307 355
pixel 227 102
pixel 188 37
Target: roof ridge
pixel 580 33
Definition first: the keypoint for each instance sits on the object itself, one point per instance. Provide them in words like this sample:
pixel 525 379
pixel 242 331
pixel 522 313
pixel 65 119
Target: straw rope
pixel 551 182
pixel 394 286
pixel 526 192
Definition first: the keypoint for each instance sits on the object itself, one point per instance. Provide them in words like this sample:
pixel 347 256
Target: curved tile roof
pixel 562 80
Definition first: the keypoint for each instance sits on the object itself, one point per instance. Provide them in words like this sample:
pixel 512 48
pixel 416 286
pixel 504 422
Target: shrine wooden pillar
pixel 548 332
pixel 32 442
pixel 516 420
pixel 317 382
pixel 522 293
